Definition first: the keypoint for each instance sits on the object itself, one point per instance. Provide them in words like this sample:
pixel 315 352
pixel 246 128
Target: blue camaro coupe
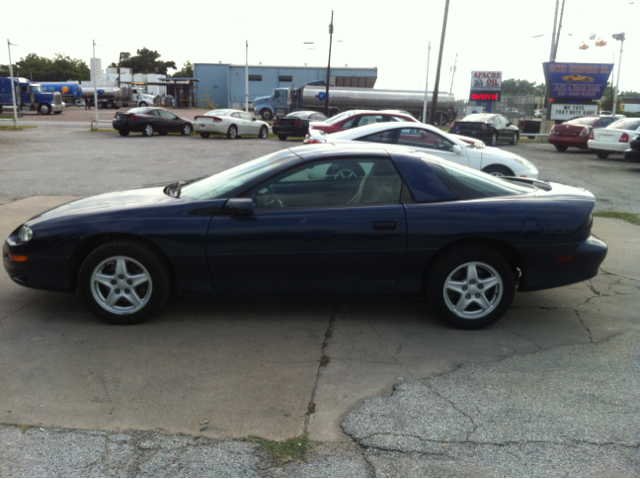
pixel 316 219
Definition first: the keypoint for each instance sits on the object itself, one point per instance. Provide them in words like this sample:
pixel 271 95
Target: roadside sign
pixel 577 81
pixel 566 112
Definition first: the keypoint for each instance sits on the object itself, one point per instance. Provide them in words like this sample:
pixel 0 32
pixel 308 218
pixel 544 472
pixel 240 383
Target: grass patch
pixel 24 427
pixel 5 127
pixel 324 360
pixel 294 449
pixel 628 217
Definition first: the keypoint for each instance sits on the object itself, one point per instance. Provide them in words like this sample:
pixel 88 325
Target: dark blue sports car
pixel 316 219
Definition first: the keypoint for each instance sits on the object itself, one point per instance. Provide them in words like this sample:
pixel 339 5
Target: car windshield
pixel 468 184
pixel 335 119
pixel 217 113
pixel 218 185
pixel 583 121
pixel 478 117
pixel 141 111
pixel 625 124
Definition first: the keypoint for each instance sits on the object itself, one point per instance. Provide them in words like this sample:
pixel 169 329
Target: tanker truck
pixel 116 97
pixel 70 91
pixel 311 96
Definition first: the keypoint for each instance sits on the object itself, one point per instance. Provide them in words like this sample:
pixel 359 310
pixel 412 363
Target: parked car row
pixel 604 134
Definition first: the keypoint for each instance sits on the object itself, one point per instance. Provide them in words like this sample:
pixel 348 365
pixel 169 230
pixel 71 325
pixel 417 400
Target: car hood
pixel 108 203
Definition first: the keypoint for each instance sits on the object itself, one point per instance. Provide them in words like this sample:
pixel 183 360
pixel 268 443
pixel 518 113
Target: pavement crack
pixel 44 294
pixel 456 408
pixel 584 325
pixel 322 363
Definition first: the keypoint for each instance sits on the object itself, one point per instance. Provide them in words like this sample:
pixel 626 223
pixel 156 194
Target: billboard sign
pixel 566 112
pixel 576 81
pixel 486 81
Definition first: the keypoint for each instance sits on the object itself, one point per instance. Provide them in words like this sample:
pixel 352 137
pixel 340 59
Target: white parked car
pixel 233 123
pixel 614 138
pixel 421 137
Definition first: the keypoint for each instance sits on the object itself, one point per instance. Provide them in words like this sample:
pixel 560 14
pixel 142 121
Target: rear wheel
pixel 471 288
pixel 603 155
pixel 514 140
pixel 124 282
pixel 205 135
pixel 498 170
pixel 148 130
pixel 232 132
pixel 282 137
pixel 123 132
pixel 264 132
pixel 561 148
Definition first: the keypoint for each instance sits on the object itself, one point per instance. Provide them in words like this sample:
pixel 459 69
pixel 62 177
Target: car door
pixel 332 225
pixel 504 134
pixel 252 126
pixel 170 122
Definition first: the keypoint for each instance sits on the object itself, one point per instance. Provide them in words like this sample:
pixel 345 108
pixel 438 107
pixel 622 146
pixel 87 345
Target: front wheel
pixel 471 288
pixel 514 140
pixel 603 155
pixel 232 132
pixel 266 114
pixel 187 130
pixel 498 170
pixel 124 282
pixel 148 130
pixel 142 103
pixel 561 148
pixel 264 132
pixel 44 109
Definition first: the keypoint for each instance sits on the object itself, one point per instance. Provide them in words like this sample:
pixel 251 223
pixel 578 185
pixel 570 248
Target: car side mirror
pixel 253 119
pixel 457 149
pixel 508 123
pixel 239 207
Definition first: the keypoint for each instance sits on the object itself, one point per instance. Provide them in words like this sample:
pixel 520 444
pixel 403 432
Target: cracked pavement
pixel 379 384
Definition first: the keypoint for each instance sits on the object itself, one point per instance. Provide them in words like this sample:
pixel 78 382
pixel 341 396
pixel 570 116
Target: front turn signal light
pixel 18 258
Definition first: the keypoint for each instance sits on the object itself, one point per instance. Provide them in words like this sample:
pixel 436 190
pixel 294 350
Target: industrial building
pixel 222 85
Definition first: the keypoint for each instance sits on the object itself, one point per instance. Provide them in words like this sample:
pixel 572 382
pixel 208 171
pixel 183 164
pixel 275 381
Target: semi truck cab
pixel 267 106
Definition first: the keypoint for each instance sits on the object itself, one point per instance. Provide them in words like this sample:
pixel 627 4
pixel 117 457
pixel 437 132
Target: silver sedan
pixel 233 123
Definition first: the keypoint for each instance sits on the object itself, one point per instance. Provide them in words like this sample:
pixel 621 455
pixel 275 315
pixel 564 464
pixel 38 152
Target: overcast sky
pixel 390 35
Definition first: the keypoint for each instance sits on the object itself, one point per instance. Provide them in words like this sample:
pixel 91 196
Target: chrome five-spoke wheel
pixel 473 290
pixel 121 285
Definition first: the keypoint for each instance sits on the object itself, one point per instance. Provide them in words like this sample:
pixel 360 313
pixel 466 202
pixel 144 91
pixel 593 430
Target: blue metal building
pixel 222 85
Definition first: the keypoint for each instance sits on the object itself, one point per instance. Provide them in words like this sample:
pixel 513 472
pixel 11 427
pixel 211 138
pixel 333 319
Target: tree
pixel 61 68
pixel 186 72
pixel 512 87
pixel 146 61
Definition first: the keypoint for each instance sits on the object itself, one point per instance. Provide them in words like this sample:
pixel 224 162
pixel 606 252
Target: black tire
pixel 561 148
pixel 264 132
pixel 488 283
pixel 148 130
pixel 282 137
pixel 187 129
pixel 107 282
pixel 338 172
pixel 205 135
pixel 232 132
pixel 44 109
pixel 266 114
pixel 142 103
pixel 498 170
pixel 493 141
pixel 514 140
pixel 603 155
pixel 123 132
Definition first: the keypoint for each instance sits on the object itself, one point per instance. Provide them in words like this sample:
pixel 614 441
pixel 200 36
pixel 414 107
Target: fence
pixel 515 108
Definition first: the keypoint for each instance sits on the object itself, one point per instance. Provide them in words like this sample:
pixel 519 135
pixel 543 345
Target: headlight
pixel 526 163
pixel 25 234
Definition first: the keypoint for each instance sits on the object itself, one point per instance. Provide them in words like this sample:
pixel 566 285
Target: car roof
pixel 377 127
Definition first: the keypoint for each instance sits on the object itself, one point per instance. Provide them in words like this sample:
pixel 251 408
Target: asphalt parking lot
pixel 379 385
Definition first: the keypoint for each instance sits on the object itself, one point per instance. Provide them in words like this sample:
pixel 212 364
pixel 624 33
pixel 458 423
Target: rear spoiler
pixel 543 185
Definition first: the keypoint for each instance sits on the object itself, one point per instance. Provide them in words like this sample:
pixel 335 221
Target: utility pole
pixel 434 101
pixel 326 98
pixel 426 87
pixel 13 88
pixel 620 37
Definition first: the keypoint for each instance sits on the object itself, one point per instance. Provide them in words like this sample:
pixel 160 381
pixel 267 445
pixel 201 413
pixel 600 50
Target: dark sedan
pixel 316 219
pixel 148 120
pixel 295 124
pixel 486 127
pixel 633 153
pixel 575 132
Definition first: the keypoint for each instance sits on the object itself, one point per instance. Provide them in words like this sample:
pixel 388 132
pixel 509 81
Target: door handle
pixel 385 225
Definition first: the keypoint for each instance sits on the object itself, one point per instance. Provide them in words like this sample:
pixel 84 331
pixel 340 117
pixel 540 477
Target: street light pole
pixel 620 37
pixel 95 89
pixel 434 101
pixel 246 79
pixel 426 87
pixel 326 98
pixel 13 88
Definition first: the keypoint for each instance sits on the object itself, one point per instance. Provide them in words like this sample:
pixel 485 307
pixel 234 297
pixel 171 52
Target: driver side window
pixel 331 184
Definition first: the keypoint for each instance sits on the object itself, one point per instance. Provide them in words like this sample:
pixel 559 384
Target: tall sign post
pixel 94 74
pixel 326 98
pixel 620 37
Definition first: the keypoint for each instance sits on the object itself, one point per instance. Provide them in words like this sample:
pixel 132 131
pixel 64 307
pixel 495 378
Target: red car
pixel 575 132
pixel 355 118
